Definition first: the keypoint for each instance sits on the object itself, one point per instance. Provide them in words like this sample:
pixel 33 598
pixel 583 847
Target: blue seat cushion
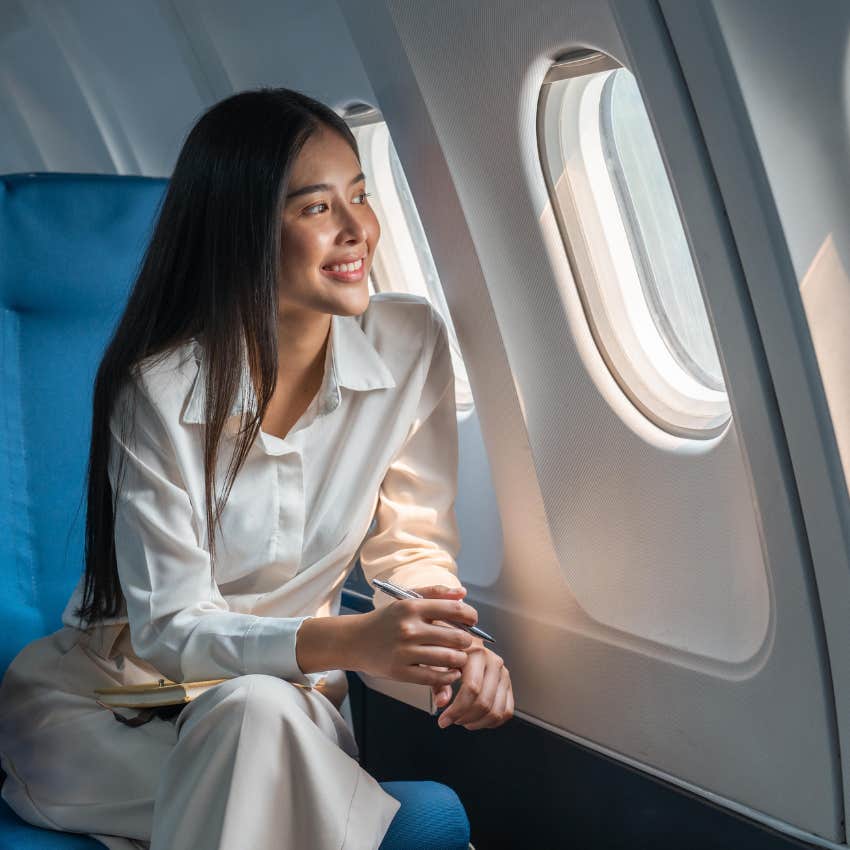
pixel 431 817
pixel 17 834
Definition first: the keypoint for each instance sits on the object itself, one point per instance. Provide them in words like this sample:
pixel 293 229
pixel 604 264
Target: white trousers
pixel 253 762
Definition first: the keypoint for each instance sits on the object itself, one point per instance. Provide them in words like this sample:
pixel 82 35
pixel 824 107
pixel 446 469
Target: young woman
pixel 253 413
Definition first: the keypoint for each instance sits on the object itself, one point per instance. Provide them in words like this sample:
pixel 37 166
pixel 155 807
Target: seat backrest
pixel 70 248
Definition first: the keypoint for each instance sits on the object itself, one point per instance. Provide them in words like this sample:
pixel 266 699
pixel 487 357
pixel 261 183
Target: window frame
pixel 670 397
pixel 390 251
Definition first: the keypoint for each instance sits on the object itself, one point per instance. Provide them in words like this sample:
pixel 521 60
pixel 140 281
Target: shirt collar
pixel 351 361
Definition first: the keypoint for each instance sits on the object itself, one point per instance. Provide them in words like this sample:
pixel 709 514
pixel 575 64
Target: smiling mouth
pixel 343 275
pixel 342 268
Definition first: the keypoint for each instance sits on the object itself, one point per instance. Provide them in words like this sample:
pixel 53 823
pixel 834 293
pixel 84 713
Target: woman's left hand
pixel 485 698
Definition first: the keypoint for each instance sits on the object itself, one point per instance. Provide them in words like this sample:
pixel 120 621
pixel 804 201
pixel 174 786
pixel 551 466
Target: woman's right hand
pixel 394 640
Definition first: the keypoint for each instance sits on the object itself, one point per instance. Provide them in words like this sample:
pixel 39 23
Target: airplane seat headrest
pixel 70 248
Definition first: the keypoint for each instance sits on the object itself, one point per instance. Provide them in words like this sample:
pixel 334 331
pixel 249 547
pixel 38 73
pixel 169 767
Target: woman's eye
pixel 323 204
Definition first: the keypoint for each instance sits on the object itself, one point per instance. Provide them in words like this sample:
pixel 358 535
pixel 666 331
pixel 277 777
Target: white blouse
pixel 378 441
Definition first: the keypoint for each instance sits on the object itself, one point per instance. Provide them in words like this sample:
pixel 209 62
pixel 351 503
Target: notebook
pixel 152 694
pixel 162 692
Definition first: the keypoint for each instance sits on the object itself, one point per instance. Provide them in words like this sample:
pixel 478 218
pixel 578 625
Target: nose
pixel 352 229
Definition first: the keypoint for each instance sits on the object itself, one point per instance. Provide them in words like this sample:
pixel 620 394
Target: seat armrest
pixel 419 696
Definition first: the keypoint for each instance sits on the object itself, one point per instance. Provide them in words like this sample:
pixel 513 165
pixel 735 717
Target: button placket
pixel 289 533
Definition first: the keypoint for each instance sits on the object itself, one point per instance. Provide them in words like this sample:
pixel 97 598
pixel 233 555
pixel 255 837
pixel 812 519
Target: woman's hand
pixel 443 693
pixel 485 698
pixel 403 640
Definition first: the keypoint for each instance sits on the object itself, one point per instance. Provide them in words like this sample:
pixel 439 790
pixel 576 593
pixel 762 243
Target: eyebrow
pixel 321 187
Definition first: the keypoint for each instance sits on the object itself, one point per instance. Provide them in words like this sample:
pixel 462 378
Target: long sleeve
pixel 179 621
pixel 415 541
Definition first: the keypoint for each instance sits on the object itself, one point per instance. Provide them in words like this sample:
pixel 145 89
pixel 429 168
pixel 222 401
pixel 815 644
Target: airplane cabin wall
pixel 94 86
pixel 459 88
pixel 771 87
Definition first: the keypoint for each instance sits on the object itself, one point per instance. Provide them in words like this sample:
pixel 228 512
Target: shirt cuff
pixel 270 648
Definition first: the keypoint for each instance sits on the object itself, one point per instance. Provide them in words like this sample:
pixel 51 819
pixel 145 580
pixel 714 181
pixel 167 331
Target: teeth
pixel 346 267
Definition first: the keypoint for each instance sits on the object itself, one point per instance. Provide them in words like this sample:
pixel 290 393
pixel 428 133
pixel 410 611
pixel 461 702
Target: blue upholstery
pixel 70 246
pixel 17 834
pixel 431 817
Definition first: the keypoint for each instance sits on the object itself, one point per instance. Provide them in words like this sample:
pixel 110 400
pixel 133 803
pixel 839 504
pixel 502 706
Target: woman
pixel 253 413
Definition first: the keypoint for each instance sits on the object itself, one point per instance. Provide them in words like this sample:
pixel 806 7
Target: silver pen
pixel 403 593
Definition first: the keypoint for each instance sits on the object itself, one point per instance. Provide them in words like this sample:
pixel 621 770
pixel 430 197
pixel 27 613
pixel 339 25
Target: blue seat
pixel 70 246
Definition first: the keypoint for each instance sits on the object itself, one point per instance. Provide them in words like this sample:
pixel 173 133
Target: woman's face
pixel 325 226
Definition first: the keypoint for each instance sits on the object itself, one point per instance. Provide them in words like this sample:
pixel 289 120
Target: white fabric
pixel 378 442
pixel 380 433
pixel 253 762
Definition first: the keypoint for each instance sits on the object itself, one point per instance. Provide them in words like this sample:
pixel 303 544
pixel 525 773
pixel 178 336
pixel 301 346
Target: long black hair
pixel 211 272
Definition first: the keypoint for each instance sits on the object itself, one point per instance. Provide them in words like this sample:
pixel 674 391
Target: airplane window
pixel 403 261
pixel 627 246
pixel 655 233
